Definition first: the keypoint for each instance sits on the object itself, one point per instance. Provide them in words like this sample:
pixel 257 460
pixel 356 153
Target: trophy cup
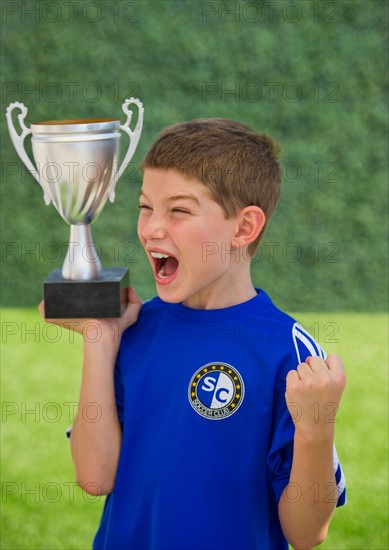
pixel 77 168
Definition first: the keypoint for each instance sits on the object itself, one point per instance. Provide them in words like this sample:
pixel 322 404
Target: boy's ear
pixel 251 220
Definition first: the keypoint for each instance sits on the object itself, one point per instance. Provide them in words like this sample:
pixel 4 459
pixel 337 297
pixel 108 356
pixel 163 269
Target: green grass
pixel 362 428
pixel 42 509
pixel 41 374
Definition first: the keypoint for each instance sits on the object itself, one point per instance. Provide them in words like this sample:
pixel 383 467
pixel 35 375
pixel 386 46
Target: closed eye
pixel 181 210
pixel 176 210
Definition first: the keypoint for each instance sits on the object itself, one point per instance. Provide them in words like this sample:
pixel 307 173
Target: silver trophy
pixel 77 166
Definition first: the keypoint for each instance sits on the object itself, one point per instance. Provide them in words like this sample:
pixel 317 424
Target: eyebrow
pixel 178 197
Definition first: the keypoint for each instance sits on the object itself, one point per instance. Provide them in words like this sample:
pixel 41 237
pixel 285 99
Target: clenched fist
pixel 313 394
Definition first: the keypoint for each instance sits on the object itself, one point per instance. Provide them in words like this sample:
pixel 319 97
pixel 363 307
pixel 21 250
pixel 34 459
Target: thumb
pixel 134 305
pixel 134 302
pixel 133 297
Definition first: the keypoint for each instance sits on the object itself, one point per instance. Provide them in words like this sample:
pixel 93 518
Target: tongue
pixel 170 266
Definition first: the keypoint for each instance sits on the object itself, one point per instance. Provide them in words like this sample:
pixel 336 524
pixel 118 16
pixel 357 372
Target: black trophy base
pixel 100 298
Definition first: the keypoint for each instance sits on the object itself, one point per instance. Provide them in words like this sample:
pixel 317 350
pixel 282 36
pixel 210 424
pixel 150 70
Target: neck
pixel 223 294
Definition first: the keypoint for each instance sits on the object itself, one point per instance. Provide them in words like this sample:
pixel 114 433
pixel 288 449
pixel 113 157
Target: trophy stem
pixel 82 262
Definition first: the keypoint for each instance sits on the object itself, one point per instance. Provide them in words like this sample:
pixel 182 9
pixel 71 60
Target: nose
pixel 152 227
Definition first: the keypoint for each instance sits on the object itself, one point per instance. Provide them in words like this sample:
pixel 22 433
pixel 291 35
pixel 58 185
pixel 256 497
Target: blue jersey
pixel 207 438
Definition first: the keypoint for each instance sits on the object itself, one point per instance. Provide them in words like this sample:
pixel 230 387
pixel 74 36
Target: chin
pixel 168 297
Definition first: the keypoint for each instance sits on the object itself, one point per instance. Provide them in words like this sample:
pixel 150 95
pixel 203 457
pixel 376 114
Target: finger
pixel 304 370
pixel 133 297
pixel 336 371
pixel 292 378
pixel 131 312
pixel 134 302
pixel 334 362
pixel 292 384
pixel 41 308
pixel 316 363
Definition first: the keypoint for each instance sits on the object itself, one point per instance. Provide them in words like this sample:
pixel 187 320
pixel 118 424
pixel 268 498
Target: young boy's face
pixel 187 239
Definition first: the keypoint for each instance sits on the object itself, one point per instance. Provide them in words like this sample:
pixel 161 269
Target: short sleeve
pixel 280 455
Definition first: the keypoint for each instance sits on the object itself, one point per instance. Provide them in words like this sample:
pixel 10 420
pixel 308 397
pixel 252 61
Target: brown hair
pixel 237 165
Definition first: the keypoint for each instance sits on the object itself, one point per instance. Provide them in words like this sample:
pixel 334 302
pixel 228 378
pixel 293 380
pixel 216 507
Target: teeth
pixel 159 255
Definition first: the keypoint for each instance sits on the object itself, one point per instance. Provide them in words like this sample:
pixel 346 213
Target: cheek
pixel 140 229
pixel 206 246
pixel 216 233
pixel 198 238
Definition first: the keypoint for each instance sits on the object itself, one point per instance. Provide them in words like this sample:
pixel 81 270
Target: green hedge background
pixel 312 74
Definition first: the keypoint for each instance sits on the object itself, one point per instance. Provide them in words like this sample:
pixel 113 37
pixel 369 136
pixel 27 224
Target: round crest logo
pixel 216 391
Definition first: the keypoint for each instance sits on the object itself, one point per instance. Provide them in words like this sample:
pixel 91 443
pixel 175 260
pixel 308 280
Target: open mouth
pixel 165 266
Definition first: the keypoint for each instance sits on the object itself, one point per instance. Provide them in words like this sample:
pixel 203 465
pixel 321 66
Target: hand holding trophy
pixel 77 168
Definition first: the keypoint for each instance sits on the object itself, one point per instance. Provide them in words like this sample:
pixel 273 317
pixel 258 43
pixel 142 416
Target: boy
pixel 199 446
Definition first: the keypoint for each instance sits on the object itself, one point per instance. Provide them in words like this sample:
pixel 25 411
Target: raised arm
pixel 96 434
pixel 306 505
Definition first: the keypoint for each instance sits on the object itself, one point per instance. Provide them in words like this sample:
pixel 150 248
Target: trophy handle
pixel 18 141
pixel 134 136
